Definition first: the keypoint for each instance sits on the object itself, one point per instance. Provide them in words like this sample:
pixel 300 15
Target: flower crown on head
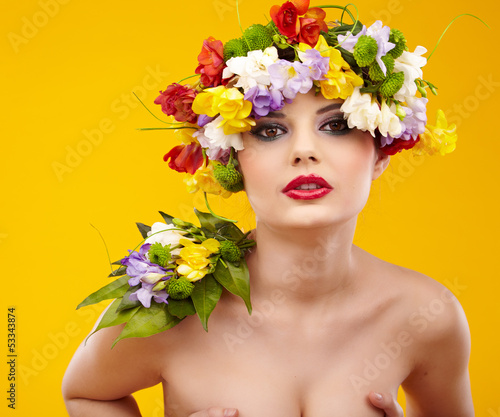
pixel 370 68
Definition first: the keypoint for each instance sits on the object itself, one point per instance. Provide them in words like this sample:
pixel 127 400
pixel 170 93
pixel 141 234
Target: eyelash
pixel 341 121
pixel 258 130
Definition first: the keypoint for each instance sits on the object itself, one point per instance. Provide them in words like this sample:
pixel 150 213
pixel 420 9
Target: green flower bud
pixel 400 112
pixel 160 286
pixel 228 177
pixel 375 71
pixel 421 90
pixel 180 223
pixel 180 288
pixel 235 47
pixel 230 251
pixel 258 37
pixel 392 84
pixel 159 254
pixel 397 38
pixel 365 50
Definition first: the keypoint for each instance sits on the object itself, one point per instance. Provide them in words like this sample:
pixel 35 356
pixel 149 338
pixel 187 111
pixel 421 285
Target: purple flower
pixel 203 119
pixel 290 78
pixel 385 140
pixel 318 65
pixel 139 266
pixel 416 118
pixel 264 100
pixel 349 40
pixel 145 293
pixel 377 31
pixel 381 34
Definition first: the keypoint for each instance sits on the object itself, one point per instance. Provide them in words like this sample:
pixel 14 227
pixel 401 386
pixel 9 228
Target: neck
pixel 304 265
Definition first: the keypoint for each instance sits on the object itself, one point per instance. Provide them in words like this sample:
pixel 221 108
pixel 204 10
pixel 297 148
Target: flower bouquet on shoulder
pixel 178 270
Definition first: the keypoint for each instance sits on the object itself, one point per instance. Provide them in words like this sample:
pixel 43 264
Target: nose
pixel 304 150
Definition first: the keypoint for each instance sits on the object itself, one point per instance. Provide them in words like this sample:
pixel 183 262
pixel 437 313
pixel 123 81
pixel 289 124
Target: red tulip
pixel 211 59
pixel 185 158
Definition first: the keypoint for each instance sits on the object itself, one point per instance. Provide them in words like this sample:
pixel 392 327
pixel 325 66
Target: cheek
pixel 356 165
pixel 257 162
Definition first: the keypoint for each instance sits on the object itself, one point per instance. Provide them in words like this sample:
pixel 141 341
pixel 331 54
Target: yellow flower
pixel 207 101
pixel 230 104
pixel 340 78
pixel 203 179
pixel 440 139
pixel 186 135
pixel 193 262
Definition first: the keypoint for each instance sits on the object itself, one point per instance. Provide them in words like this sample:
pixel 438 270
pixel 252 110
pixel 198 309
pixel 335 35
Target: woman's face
pixel 303 166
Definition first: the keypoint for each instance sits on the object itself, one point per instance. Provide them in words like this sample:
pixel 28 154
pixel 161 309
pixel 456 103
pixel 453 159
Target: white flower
pixel 410 63
pixel 167 236
pixel 389 122
pixel 361 111
pixel 217 139
pixel 252 69
pixel 213 152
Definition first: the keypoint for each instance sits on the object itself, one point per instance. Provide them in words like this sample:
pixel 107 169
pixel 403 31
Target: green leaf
pixel 343 29
pixel 348 57
pixel 114 289
pixel 181 308
pixel 126 303
pixel 119 262
pixel 118 272
pixel 219 227
pixel 235 279
pixel 205 295
pixel 144 229
pixel 148 321
pixel 230 231
pixel 112 317
pixel 208 221
pixel 167 217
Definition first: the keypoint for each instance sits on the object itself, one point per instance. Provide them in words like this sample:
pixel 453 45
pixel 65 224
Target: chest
pixel 270 375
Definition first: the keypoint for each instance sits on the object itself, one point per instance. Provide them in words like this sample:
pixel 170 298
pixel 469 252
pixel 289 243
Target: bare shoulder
pixel 422 304
pixel 434 317
pixel 100 371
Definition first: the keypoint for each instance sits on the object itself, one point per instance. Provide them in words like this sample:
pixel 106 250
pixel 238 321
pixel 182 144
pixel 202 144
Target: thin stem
pixel 166 128
pixel 187 78
pixel 344 8
pixel 215 215
pixel 140 101
pixel 447 27
pixel 105 246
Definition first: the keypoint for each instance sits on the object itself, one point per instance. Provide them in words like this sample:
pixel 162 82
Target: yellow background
pixel 68 71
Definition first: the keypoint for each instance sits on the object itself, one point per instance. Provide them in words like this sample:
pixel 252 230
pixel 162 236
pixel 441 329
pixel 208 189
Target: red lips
pixel 307 187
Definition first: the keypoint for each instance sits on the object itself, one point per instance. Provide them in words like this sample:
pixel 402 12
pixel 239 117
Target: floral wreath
pixel 370 68
pixel 181 269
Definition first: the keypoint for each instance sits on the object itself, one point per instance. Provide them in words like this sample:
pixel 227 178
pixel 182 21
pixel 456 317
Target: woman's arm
pixel 100 380
pixel 82 407
pixel 439 384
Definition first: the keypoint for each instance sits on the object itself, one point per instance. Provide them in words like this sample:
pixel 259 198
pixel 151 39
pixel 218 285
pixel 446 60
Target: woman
pixel 334 330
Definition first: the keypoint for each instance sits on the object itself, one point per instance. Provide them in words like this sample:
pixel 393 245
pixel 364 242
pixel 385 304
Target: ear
pixel 381 162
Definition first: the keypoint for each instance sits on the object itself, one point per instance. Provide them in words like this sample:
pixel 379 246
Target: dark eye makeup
pixel 270 131
pixel 336 125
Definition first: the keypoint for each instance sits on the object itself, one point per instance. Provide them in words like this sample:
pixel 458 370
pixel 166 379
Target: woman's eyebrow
pixel 275 115
pixel 329 107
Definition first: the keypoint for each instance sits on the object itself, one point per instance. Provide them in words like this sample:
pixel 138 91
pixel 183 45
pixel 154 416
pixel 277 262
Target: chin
pixel 310 217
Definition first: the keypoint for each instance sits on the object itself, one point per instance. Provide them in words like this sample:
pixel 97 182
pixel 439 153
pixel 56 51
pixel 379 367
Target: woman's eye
pixel 268 132
pixel 335 126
